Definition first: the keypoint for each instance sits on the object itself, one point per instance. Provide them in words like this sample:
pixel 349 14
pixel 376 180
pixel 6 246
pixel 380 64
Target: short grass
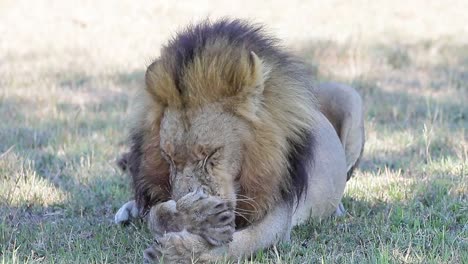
pixel 68 72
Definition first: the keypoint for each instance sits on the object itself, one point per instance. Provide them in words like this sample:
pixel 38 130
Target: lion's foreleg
pixel 186 247
pixel 274 228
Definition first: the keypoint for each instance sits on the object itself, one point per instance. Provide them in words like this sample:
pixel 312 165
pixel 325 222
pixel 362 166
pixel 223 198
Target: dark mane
pixel 238 33
pixel 299 159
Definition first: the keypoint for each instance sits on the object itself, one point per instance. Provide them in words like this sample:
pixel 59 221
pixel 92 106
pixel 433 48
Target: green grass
pixel 67 76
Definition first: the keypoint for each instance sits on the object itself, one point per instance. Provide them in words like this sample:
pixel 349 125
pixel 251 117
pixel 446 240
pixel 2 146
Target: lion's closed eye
pixel 210 160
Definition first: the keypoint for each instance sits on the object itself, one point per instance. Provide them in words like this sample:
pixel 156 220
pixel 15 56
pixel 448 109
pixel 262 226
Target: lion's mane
pixel 218 55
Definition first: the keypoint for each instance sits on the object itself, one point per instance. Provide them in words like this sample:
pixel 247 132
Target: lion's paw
pixel 175 247
pixel 127 212
pixel 152 254
pixel 164 218
pixel 340 211
pixel 207 216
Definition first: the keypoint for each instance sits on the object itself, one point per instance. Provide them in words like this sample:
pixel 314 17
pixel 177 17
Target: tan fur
pixel 342 106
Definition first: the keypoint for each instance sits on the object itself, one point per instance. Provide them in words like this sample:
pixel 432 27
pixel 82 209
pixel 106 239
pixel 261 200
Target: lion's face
pixel 204 149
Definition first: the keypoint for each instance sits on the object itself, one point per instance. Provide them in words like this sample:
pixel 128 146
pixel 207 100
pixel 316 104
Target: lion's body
pixel 228 111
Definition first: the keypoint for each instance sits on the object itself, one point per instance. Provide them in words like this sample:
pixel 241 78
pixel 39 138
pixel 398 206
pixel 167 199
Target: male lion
pixel 235 144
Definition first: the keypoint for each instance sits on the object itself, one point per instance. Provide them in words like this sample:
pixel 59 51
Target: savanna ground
pixel 68 72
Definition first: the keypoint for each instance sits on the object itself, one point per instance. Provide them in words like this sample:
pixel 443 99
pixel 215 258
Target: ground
pixel 68 72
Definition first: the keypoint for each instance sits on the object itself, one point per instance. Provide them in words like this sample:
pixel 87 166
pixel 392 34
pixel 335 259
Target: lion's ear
pixel 160 83
pixel 251 96
pixel 150 76
pixel 253 77
pixel 258 75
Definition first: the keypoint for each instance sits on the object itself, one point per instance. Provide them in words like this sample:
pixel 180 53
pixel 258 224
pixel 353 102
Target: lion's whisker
pixel 246 197
pixel 254 206
pixel 250 202
pixel 246 210
pixel 241 215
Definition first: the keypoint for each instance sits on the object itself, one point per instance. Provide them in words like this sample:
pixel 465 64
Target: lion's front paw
pixel 164 218
pixel 126 213
pixel 152 254
pixel 176 247
pixel 340 211
pixel 207 216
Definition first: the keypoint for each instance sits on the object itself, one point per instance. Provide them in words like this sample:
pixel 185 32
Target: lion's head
pixel 204 147
pixel 225 110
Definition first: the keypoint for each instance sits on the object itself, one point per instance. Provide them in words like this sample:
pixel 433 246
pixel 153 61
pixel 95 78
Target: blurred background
pixel 68 70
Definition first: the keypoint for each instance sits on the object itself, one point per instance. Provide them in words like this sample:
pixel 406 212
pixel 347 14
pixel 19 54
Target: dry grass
pixel 67 73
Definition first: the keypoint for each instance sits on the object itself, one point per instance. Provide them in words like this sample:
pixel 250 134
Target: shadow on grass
pixel 402 87
pixel 73 146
